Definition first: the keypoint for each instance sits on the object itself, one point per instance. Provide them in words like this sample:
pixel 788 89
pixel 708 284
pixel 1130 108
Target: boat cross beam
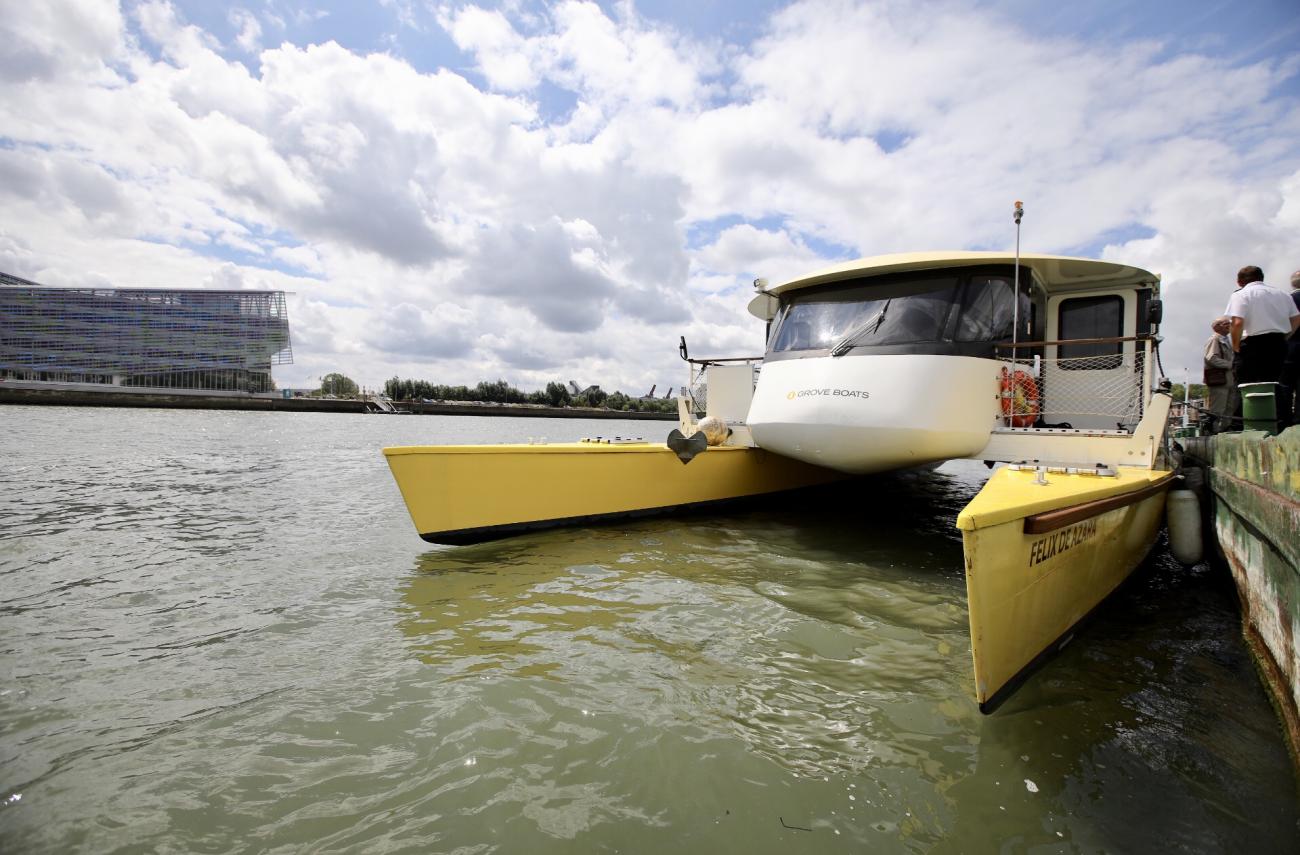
pixel 1017 345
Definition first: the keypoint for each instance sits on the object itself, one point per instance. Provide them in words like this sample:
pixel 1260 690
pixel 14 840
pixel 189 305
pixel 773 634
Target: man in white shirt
pixel 1262 318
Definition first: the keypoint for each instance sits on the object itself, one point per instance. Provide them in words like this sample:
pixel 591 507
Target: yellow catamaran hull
pixel 471 493
pixel 1044 543
pixel 1040 557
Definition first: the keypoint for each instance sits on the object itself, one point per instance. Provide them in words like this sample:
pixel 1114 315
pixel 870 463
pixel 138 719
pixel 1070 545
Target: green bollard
pixel 1259 406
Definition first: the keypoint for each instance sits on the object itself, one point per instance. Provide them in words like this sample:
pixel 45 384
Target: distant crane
pixel 573 387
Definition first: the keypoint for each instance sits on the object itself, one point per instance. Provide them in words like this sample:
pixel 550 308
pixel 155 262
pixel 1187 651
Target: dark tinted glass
pixel 883 312
pixel 817 324
pixel 1143 312
pixel 1091 317
pixel 987 311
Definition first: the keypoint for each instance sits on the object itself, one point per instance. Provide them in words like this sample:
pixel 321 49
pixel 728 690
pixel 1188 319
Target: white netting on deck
pixel 1104 391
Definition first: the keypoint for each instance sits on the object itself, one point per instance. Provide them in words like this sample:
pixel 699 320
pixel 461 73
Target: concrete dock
pixel 1251 504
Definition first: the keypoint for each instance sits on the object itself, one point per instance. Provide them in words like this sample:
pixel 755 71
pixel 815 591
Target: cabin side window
pixel 1090 318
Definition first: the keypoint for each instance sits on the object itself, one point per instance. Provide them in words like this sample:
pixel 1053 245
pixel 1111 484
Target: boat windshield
pixel 900 312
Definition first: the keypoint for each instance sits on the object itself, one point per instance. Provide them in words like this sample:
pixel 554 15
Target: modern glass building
pixel 169 339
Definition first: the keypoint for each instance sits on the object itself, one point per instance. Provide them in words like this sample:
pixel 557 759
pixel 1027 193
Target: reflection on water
pixel 830 643
pixel 219 632
pixel 709 622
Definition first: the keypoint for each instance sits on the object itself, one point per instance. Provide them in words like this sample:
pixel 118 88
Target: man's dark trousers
pixel 1262 358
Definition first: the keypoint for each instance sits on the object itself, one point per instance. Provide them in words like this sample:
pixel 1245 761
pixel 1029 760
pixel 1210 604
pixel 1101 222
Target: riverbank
pixel 69 396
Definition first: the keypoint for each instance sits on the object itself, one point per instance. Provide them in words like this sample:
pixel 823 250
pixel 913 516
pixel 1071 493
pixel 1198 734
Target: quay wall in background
pixel 1254 492
pixel 12 394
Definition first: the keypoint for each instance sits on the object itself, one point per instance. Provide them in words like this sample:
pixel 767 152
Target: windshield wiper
pixel 847 343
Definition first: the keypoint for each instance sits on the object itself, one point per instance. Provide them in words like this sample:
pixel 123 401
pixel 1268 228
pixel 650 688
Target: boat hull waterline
pixel 474 493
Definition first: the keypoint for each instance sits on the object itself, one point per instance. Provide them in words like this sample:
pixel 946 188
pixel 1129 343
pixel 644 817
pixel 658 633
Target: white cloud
pixel 500 50
pixel 17 259
pixel 613 62
pixel 1206 230
pixel 57 39
pixel 443 331
pixel 306 15
pixel 249 37
pixel 744 249
pixel 458 232
pixel 404 10
pixel 301 257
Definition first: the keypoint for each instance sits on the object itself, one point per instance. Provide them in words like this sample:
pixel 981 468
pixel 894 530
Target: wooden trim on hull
pixel 1052 520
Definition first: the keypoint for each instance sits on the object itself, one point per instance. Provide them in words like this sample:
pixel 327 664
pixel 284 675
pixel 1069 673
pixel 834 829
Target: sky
pixel 460 191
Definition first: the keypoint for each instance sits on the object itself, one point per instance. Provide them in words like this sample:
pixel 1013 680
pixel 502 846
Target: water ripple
pixel 219 633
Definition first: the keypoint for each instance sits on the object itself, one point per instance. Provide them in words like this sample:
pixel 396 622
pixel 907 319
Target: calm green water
pixel 220 633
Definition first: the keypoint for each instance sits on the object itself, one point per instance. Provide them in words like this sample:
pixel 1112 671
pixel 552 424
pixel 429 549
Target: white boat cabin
pixel 906 359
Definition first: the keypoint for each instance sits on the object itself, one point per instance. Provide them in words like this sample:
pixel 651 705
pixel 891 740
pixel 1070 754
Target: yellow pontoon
pixel 1043 548
pixel 471 493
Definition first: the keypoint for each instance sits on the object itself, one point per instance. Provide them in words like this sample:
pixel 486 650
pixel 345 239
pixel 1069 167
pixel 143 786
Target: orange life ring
pixel 1020 404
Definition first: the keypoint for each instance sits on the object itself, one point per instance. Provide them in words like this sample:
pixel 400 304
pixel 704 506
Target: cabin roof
pixel 1056 272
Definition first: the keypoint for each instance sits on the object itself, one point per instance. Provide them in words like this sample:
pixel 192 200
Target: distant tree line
pixel 554 395
pixel 338 385
pixel 1194 390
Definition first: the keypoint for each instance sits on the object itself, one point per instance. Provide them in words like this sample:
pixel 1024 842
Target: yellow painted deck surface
pixel 454 488
pixel 1025 591
pixel 1013 495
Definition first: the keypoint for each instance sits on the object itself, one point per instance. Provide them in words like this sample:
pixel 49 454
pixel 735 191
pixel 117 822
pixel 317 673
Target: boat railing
pixel 696 391
pixel 1084 388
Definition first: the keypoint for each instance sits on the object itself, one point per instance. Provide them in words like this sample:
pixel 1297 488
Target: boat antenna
pixel 1015 307
pixel 1015 303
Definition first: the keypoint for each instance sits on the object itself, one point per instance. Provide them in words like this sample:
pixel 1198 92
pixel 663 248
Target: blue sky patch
pixel 891 140
pixel 701 233
pixel 1115 236
pixel 829 250
pixel 362 28
pixel 737 24
pixel 554 103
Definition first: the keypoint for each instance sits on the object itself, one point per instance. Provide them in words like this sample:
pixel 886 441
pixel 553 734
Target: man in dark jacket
pixel 1291 366
pixel 1220 385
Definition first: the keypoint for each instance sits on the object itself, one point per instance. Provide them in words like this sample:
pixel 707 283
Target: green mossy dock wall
pixel 1254 492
